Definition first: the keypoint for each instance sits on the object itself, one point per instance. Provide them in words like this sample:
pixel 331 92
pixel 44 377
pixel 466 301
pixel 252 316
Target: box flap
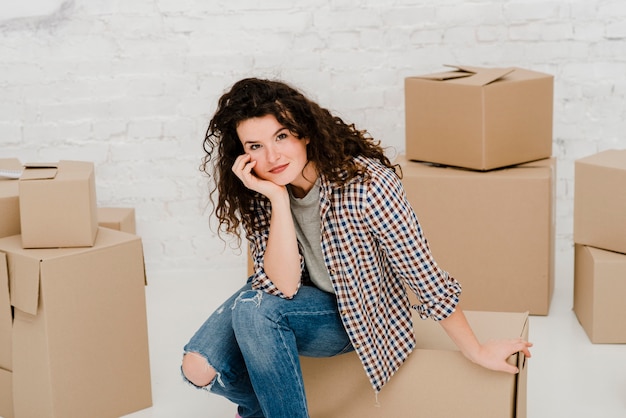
pixel 6 317
pixel 473 76
pixel 445 75
pixel 25 291
pixel 39 171
pixel 482 76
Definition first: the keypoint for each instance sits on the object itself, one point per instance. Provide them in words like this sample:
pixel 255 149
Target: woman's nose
pixel 272 153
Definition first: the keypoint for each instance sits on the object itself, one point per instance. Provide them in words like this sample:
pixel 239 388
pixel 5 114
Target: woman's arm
pixel 282 258
pixel 492 354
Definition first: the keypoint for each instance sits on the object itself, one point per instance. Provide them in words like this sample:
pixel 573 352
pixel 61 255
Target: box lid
pixel 473 76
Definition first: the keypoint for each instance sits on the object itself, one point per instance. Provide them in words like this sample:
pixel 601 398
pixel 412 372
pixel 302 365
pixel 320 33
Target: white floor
pixel 568 375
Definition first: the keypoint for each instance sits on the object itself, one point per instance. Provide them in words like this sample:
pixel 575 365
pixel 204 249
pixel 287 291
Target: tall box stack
pixel 478 171
pixel 600 245
pixel 73 316
pixel 480 175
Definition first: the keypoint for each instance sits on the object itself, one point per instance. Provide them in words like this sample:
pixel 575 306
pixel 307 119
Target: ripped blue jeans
pixel 253 341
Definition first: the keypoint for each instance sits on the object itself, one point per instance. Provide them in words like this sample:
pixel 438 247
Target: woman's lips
pixel 279 169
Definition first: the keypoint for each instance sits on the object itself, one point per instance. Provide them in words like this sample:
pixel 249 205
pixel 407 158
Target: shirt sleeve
pixel 394 223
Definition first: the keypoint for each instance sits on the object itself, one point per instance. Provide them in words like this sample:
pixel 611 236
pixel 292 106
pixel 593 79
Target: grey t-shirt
pixel 306 217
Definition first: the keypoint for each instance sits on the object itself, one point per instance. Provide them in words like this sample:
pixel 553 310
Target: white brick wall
pixel 131 84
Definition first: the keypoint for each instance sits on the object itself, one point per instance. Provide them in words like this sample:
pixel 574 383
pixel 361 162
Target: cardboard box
pixel 599 293
pixel 600 200
pixel 58 205
pixel 6 394
pixel 6 318
pixel 121 219
pixel 436 381
pixel 493 231
pixel 80 341
pixel 9 197
pixel 479 118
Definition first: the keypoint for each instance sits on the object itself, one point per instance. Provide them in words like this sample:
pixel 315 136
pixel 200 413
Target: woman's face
pixel 280 156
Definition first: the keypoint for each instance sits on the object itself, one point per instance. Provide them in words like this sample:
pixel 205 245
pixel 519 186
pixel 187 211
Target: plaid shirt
pixel 373 248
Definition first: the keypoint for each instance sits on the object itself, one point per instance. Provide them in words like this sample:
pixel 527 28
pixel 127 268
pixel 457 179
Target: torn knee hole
pixel 253 296
pixel 197 370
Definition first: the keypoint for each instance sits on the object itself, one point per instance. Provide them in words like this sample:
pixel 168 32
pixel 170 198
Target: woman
pixel 335 245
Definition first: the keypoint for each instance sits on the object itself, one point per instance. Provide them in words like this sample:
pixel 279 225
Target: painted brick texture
pixel 131 85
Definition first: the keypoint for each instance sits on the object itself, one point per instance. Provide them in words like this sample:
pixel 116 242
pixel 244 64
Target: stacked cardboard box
pixel 73 326
pixel 600 245
pixel 480 175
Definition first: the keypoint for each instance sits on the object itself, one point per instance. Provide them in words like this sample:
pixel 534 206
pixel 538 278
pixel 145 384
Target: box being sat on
pixel 80 338
pixel 600 200
pixel 599 293
pixel 493 231
pixel 10 170
pixel 479 118
pixel 338 386
pixel 58 205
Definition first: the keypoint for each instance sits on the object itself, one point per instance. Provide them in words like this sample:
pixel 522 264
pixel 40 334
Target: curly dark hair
pixel 333 143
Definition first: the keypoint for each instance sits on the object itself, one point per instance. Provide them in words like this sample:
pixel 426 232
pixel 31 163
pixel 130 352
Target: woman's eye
pixel 281 136
pixel 254 147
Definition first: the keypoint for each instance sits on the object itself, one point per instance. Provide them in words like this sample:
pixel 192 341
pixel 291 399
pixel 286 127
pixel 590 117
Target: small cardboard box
pixel 436 381
pixel 120 219
pixel 479 118
pixel 493 231
pixel 600 200
pixel 6 394
pixel 58 205
pixel 599 293
pixel 80 339
pixel 10 169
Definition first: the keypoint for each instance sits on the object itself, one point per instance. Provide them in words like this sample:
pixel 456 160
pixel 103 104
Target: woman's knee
pixel 197 369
